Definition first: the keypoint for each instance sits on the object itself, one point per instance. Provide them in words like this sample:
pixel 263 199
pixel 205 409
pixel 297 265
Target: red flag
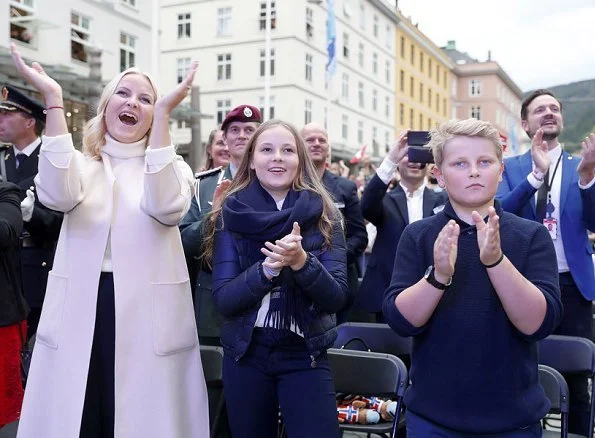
pixel 359 155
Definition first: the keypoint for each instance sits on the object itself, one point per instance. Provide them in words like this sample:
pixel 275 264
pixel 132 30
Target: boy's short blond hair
pixel 462 128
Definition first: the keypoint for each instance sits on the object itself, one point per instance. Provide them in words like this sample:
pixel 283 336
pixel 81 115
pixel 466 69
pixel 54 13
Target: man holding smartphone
pixel 391 212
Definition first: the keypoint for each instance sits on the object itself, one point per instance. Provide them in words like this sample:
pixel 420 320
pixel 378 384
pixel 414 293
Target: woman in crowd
pixel 13 313
pixel 117 352
pixel 279 275
pixel 217 154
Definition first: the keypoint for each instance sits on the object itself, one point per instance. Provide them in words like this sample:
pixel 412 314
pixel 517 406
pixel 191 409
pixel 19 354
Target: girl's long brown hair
pixel 306 179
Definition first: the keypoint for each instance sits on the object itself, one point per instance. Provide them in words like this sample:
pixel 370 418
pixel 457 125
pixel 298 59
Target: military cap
pixel 14 100
pixel 242 113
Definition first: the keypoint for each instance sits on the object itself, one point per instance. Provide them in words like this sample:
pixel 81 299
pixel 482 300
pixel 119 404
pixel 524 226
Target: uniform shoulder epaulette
pixel 205 173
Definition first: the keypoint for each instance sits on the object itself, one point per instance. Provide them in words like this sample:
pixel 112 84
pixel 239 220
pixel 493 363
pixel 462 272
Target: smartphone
pixel 420 154
pixel 418 138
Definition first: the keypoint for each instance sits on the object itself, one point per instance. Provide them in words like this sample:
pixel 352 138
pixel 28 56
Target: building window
pixel 346 46
pixel 387 71
pixel 224 66
pixel 307 111
pixel 429 123
pixel 444 78
pixel 80 36
pixel 411 118
pixel 475 112
pixel 223 107
pixel 360 132
pixel 375 28
pixel 421 121
pixel 20 29
pixel 387 107
pixel 308 67
pixel 374 100
pixel 344 126
pixel 183 67
pixel 412 54
pixel 402 114
pixel 412 86
pixel 127 51
pixel 474 87
pixel 389 36
pixel 129 2
pixel 271 106
pixel 360 94
pixel 437 103
pixel 421 61
pixel 402 47
pixel 430 67
pixel 360 55
pixel 345 86
pixel 184 25
pixel 309 23
pixel 223 21
pixel 375 63
pixel 444 106
pixel 437 74
pixel 262 62
pixel 386 141
pixel 421 92
pixel 402 80
pixel 263 16
pixel 374 140
pixel 429 98
pixel 362 16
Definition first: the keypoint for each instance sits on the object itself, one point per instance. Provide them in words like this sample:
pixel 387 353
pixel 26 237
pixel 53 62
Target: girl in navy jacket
pixel 279 276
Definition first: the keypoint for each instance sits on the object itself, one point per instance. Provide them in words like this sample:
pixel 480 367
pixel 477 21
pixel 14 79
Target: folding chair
pixel 379 338
pixel 212 365
pixel 570 354
pixel 556 390
pixel 369 373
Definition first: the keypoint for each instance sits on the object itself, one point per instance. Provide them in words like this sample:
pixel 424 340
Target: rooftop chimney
pixel 489 55
pixel 451 45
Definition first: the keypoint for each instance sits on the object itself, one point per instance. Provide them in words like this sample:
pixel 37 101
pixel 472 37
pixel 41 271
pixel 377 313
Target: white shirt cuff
pixel 588 186
pixel 386 170
pixel 157 159
pixel 534 181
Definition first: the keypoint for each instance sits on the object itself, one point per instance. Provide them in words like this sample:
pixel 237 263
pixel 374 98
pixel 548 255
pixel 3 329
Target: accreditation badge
pixel 552 226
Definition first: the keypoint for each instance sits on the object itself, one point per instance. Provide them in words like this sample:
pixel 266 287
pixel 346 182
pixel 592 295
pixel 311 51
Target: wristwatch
pixel 429 276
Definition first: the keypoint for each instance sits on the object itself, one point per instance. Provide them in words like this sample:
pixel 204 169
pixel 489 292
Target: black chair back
pixel 369 373
pixel 556 390
pixel 570 354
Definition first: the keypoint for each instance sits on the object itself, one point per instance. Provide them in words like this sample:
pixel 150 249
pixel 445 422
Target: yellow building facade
pixel 423 80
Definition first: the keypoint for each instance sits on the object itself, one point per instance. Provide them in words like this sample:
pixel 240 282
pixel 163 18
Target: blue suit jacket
pixel 577 212
pixel 388 212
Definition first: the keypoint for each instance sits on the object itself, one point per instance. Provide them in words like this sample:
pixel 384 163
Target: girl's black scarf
pixel 252 213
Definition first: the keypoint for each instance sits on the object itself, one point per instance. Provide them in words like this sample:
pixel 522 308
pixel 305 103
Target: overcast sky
pixel 539 43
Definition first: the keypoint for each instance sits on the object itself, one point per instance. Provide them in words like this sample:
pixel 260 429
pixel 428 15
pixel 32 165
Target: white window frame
pixel 309 67
pixel 375 63
pixel 307 111
pixel 375 101
pixel 475 87
pixel 362 16
pixel 263 16
pixel 309 23
pixel 345 126
pixel 184 25
pixel 21 19
pixel 224 21
pixel 345 45
pixel 360 132
pixel 224 66
pixel 475 112
pixel 182 67
pixel 262 61
pixel 345 86
pixel 360 94
pixel 80 33
pixel 128 50
pixel 271 106
pixel 223 106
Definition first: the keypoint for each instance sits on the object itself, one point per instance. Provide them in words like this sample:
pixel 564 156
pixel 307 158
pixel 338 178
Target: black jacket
pixel 12 304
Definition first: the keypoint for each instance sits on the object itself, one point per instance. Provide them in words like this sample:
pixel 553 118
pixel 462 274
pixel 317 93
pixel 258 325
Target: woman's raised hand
pixel 167 103
pixel 38 78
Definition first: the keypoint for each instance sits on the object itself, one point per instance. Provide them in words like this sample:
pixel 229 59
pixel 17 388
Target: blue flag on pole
pixel 331 37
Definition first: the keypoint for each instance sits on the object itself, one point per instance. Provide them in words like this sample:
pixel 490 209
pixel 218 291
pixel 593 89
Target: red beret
pixel 242 113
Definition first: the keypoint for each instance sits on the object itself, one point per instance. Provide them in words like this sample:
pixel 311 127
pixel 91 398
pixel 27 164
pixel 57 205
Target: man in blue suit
pixel 344 193
pixel 548 185
pixel 391 212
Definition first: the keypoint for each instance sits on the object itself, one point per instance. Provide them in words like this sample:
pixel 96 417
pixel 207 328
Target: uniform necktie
pixel 542 199
pixel 20 158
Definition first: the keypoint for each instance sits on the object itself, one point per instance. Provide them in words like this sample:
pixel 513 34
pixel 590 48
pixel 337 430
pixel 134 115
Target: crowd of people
pixel 138 261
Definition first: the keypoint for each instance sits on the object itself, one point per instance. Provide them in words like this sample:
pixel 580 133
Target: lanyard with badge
pixel 550 222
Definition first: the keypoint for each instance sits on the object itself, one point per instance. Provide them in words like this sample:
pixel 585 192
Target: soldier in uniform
pixel 21 122
pixel 344 194
pixel 238 127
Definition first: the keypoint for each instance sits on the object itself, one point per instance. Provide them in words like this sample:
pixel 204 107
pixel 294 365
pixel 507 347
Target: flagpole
pixel 267 61
pixel 331 65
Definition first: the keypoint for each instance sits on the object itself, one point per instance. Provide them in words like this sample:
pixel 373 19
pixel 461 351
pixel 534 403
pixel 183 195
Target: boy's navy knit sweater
pixel 471 369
